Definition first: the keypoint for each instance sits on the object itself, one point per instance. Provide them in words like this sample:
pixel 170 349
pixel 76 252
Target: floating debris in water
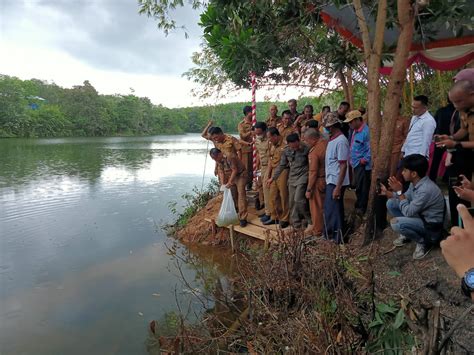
pixel 140 314
pixel 156 294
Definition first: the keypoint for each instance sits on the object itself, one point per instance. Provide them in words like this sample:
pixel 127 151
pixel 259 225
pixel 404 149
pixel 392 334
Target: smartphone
pixel 471 211
pixel 455 181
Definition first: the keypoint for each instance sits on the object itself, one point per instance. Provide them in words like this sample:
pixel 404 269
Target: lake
pixel 84 264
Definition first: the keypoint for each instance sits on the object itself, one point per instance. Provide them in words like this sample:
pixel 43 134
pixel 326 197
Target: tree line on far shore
pixel 36 108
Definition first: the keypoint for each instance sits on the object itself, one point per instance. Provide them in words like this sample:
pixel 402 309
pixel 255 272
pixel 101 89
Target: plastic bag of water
pixel 227 214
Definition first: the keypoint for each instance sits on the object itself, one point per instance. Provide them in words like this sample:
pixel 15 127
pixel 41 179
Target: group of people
pixel 306 162
pixel 302 167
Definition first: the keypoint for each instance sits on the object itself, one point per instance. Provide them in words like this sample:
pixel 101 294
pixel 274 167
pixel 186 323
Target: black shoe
pixel 284 224
pixel 243 223
pixel 270 222
pixel 265 218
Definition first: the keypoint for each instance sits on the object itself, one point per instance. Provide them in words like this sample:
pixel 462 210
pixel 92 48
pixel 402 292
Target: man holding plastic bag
pixel 233 176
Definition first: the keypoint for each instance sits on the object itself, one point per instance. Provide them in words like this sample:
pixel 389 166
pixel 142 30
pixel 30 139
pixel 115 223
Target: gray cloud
pixel 106 34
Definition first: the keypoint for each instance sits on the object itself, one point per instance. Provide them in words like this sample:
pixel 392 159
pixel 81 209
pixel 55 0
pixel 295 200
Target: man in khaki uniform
pixel 273 120
pixel 278 187
pixel 232 174
pixel 263 154
pixel 226 143
pixel 316 189
pixel 245 132
pixel 293 109
pixel 285 127
pixel 304 118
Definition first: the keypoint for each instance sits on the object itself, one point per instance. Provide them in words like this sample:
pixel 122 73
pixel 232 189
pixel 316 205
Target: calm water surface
pixel 81 248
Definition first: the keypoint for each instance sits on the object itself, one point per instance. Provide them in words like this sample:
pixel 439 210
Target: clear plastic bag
pixel 227 214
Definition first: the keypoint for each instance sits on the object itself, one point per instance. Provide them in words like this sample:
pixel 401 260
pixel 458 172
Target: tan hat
pixel 352 116
pixel 330 119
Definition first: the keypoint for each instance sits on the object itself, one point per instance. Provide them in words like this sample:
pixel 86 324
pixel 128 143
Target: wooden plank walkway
pixel 255 228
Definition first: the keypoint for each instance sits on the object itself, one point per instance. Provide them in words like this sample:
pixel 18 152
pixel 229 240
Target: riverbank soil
pixel 427 290
pixel 198 230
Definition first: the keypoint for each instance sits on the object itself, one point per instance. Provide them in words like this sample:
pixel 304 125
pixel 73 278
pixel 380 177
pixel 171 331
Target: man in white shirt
pixel 422 127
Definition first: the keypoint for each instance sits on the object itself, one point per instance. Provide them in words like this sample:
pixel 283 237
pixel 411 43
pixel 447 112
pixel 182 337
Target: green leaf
pixel 385 308
pixel 394 273
pixel 399 319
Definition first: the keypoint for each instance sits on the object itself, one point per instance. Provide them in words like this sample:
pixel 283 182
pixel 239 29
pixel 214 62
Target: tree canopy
pixel 36 108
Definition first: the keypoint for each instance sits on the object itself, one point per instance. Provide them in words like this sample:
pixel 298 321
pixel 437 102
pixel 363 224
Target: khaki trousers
pixel 240 196
pixel 247 160
pixel 264 191
pixel 279 197
pixel 316 206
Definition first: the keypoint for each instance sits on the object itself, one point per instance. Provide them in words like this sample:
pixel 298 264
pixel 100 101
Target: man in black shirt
pixel 341 113
pixel 444 118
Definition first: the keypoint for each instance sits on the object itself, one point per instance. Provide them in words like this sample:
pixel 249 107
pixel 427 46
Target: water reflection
pixel 80 253
pixel 24 160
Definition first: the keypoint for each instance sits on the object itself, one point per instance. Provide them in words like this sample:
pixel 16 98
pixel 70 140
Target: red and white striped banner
pixel 254 120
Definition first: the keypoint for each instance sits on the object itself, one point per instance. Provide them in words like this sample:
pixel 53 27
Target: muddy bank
pixel 426 290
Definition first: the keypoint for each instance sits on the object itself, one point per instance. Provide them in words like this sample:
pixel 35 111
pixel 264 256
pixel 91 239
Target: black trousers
pixel 462 164
pixel 362 185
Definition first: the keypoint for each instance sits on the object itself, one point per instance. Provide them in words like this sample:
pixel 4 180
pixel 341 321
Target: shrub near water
pixel 298 298
pixel 194 201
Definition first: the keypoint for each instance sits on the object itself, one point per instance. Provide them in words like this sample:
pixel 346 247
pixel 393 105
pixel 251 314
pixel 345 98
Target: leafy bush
pixel 194 201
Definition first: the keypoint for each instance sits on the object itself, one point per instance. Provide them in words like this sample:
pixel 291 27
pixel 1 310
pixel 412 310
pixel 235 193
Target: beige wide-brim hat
pixel 352 116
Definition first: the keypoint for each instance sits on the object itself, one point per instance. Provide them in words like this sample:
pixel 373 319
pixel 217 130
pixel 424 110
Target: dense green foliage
pixel 35 108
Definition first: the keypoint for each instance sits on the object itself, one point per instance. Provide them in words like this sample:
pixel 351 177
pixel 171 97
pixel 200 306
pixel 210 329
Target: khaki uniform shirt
pixel 273 122
pixel 285 131
pixel 316 159
pixel 263 149
pixel 303 121
pixel 245 132
pixel 275 154
pixel 230 146
pixel 226 165
pixel 400 134
pixel 297 161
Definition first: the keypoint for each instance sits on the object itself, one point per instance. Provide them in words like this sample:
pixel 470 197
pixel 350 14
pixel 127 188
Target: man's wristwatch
pixel 467 283
pixel 399 193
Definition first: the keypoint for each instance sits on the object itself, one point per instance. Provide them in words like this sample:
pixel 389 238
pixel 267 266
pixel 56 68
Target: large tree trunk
pixel 345 87
pixel 350 88
pixel 373 57
pixel 406 16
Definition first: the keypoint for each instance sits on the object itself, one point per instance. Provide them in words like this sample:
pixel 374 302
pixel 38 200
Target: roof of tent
pixel 443 50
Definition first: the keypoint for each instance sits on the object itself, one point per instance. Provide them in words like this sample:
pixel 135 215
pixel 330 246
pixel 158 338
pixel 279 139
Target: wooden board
pixel 256 229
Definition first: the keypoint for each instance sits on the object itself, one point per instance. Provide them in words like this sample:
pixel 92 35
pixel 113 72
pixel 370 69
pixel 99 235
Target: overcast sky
pixel 104 41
